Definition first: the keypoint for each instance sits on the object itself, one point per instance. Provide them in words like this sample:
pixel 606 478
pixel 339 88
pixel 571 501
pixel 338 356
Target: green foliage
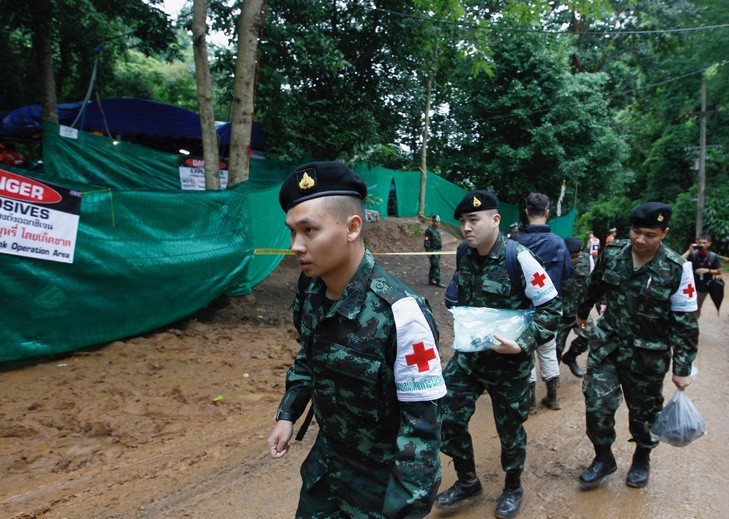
pixel 81 31
pixel 148 77
pixel 532 125
pixel 602 214
pixel 516 106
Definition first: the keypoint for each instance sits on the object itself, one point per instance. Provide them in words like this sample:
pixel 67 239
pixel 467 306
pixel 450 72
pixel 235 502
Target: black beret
pixel 479 200
pixel 317 179
pixel 650 214
pixel 573 243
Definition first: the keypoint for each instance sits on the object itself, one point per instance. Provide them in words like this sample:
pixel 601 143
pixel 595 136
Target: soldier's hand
pixel 506 346
pixel 278 441
pixel 682 382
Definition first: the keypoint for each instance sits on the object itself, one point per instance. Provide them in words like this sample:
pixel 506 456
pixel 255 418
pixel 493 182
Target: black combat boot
pixel 466 486
pixel 532 396
pixel 603 465
pixel 551 399
pixel 510 501
pixel 640 469
pixel 570 360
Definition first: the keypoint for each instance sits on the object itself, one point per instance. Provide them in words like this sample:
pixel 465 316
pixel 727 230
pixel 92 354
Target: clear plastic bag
pixel 679 423
pixel 474 327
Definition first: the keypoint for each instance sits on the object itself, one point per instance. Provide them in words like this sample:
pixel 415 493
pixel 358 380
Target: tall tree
pixel 442 41
pixel 41 27
pixel 249 28
pixel 211 157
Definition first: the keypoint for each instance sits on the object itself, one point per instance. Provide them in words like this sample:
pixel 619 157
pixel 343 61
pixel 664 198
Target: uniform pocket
pixel 355 377
pixel 612 278
pixel 650 358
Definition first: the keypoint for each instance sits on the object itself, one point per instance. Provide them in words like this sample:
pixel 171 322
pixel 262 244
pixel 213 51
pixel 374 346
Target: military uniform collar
pixel 353 296
pixel 498 249
pixel 651 263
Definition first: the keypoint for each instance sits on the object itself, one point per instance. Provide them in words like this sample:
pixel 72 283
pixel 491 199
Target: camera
pixel 698 247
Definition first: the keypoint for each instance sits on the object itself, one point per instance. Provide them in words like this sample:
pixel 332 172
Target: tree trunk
pixel 44 57
pixel 205 95
pixel 241 124
pixel 424 149
pixel 426 130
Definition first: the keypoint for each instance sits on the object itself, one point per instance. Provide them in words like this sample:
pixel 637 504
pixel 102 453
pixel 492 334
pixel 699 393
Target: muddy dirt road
pixel 173 424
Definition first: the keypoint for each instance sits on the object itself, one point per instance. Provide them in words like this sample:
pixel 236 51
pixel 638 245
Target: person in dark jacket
pixel 538 237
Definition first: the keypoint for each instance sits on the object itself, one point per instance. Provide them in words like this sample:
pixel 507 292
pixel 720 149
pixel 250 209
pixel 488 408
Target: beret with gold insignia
pixel 317 179
pixel 650 214
pixel 479 200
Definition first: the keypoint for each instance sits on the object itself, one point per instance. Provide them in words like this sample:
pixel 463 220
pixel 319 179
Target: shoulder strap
pixel 512 264
pixel 460 251
pixel 451 293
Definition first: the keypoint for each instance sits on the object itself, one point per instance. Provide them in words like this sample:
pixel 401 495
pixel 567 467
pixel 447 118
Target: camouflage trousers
pixel 337 487
pixel 509 402
pixel 579 344
pixel 434 271
pixel 634 373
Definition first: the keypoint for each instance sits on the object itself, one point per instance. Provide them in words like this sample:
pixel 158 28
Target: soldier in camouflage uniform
pixel 432 242
pixel 368 362
pixel 503 369
pixel 650 319
pixel 573 290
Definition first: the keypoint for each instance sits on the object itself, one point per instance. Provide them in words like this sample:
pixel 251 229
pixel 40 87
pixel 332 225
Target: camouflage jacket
pixel 432 240
pixel 371 367
pixel 483 281
pixel 653 307
pixel 574 287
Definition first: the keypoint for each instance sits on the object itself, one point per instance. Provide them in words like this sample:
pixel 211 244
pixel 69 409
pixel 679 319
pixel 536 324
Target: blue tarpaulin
pixel 122 117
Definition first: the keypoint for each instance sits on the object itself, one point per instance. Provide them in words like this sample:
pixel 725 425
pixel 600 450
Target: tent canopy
pixel 150 123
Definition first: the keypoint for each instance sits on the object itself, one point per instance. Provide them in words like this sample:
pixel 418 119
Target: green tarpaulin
pixel 148 253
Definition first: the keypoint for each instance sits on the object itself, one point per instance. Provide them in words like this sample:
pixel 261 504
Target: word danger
pixel 21 188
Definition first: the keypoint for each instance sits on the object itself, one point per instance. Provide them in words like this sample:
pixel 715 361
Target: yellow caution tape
pixel 288 251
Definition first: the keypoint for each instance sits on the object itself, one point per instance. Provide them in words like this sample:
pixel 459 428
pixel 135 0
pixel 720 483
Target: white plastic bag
pixel 679 423
pixel 474 327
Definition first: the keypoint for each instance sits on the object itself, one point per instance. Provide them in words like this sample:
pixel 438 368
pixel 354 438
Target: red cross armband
pixel 418 374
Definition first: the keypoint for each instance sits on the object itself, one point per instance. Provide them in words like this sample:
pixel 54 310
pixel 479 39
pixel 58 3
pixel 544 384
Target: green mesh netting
pixel 148 253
